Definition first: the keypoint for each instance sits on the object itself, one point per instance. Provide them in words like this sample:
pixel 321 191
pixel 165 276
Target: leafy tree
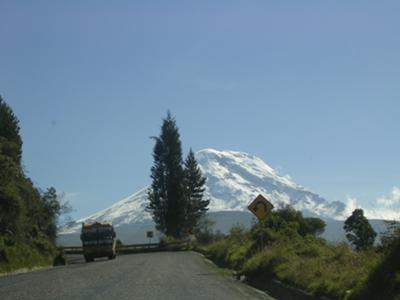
pixel 11 204
pixel 304 226
pixel 313 226
pixel 10 140
pixel 167 202
pixel 194 183
pixel 203 230
pixel 358 231
pixel 52 209
pixel 28 218
pixel 286 223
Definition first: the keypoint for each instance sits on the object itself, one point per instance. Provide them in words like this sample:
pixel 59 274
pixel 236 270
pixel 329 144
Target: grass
pixel 384 280
pixel 301 259
pixel 19 255
pixel 307 263
pixel 332 271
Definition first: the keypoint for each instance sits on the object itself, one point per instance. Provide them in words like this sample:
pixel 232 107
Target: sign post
pixel 260 207
pixel 149 235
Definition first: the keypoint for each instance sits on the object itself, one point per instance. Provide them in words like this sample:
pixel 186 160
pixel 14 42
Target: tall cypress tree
pixel 194 183
pixel 166 194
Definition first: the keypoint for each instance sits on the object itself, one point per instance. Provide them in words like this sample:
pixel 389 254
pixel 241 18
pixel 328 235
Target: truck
pixel 98 240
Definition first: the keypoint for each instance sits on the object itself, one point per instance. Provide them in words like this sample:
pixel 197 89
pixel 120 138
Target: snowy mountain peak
pixel 247 162
pixel 233 180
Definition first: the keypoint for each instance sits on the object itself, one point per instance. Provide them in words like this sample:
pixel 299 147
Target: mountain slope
pixel 233 180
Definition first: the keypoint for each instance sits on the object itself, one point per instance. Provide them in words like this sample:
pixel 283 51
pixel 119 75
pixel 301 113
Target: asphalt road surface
pixel 150 276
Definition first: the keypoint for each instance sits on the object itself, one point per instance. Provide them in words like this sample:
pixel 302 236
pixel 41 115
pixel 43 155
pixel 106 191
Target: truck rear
pixel 98 240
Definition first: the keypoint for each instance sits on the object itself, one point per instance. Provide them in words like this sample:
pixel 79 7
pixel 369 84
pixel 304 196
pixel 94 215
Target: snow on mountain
pixel 233 180
pixel 130 210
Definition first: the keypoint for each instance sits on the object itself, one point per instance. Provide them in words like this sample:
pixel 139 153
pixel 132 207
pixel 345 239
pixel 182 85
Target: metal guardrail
pixel 133 248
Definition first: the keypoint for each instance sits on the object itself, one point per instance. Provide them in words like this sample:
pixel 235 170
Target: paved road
pixel 150 276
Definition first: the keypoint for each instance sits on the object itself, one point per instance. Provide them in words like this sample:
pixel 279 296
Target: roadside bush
pixel 384 281
pixel 20 256
pixel 231 251
pixel 60 259
pixel 238 253
pixel 314 266
pixel 218 251
pixel 294 254
pixel 171 243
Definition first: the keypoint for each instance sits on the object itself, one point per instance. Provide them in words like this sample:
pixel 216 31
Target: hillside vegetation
pixel 28 216
pixel 295 255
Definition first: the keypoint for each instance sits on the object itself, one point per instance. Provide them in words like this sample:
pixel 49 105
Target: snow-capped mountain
pixel 233 180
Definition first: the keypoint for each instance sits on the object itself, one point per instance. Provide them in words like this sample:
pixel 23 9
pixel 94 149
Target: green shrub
pixel 295 255
pixel 384 280
pixel 171 243
pixel 238 253
pixel 218 251
pixel 314 266
pixel 20 255
pixel 60 258
pixel 231 251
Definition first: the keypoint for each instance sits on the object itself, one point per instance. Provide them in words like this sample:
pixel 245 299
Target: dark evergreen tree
pixel 194 183
pixel 157 194
pixel 166 194
pixel 358 231
pixel 10 140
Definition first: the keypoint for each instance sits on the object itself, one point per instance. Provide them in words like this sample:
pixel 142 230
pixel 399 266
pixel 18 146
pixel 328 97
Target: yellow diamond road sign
pixel 260 207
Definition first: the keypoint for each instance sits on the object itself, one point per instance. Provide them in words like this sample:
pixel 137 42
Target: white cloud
pixel 385 207
pixel 351 205
pixel 382 213
pixel 392 199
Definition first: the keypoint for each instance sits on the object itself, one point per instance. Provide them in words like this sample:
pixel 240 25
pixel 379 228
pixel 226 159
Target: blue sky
pixel 311 87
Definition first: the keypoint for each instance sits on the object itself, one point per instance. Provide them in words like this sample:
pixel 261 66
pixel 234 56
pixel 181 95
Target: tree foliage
pixel 194 184
pixel 204 231
pixel 10 140
pixel 175 195
pixel 288 216
pixel 167 195
pixel 28 217
pixel 52 209
pixel 298 258
pixel 384 280
pixel 358 231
